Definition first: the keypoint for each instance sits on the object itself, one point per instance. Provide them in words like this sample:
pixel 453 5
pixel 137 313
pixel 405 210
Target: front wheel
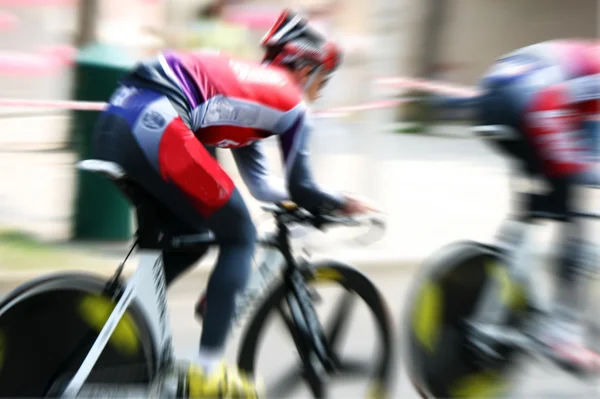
pixel 48 326
pixel 355 286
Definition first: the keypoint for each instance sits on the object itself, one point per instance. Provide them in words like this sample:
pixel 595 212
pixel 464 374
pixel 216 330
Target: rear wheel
pixel 438 356
pixel 48 326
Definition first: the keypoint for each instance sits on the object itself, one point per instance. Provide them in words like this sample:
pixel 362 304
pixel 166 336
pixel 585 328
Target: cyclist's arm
pixel 253 166
pixel 302 187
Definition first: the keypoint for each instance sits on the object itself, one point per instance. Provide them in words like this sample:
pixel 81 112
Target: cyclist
pixel 157 125
pixel 543 103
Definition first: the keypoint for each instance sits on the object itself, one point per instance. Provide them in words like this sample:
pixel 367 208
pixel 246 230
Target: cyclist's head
pixel 293 43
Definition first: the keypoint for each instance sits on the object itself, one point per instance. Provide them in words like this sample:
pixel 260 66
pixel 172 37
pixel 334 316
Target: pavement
pixel 277 356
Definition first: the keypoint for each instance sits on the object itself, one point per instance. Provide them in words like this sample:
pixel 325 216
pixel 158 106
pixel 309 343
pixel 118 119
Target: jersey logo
pixel 122 94
pixel 562 147
pixel 250 73
pixel 560 140
pixel 153 120
pixel 585 88
pixel 227 143
pixel 555 120
pixel 220 111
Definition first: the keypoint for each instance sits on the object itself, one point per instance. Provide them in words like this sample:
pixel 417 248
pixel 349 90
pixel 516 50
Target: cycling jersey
pixel 231 103
pixel 550 92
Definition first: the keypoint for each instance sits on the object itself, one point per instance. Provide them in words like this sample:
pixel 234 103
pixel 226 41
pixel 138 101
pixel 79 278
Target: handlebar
pixel 494 132
pixel 558 216
pixel 286 213
pixel 289 212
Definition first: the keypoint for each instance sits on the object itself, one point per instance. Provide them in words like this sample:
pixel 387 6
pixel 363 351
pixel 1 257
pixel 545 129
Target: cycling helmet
pixel 294 43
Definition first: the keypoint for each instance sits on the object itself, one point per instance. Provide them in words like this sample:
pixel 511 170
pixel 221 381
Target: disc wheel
pixel 48 326
pixel 437 353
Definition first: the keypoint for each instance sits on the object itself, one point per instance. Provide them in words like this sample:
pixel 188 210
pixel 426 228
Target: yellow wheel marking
pixel 95 310
pixel 427 315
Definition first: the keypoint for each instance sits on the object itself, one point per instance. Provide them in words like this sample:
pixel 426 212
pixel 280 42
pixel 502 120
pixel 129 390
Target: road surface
pixel 278 355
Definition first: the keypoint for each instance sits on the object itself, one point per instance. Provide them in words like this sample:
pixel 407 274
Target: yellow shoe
pixel 223 383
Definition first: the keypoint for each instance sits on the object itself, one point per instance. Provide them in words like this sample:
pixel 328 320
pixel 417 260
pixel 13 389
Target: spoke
pixel 340 320
pixel 353 368
pixel 295 332
pixel 316 383
pixel 288 382
pixel 317 339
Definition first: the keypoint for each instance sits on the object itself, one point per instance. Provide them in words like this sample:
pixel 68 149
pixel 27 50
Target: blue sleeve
pixel 253 166
pixel 303 190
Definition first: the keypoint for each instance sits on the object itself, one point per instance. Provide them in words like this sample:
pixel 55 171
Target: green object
pixel 418 111
pixel 101 212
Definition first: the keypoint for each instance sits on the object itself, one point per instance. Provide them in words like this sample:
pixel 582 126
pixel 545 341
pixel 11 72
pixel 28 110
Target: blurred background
pixel 435 182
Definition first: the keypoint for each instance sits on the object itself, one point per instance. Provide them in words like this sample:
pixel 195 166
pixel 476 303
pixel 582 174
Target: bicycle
pixel 78 334
pixel 474 312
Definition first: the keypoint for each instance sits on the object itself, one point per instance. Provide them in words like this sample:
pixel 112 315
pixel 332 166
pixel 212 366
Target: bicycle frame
pixel 148 287
pixel 515 249
pixel 301 307
pixel 486 326
pixel 515 242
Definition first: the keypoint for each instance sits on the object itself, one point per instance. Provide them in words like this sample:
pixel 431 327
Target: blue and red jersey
pixel 554 88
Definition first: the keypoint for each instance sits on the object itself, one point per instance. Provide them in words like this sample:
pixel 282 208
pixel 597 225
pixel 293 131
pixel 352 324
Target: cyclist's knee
pixel 232 224
pixel 236 235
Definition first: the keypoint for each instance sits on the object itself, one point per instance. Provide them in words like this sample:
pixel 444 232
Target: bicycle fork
pixel 309 337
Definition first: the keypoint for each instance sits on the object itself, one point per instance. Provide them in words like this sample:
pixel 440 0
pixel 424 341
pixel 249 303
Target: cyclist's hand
pixel 354 206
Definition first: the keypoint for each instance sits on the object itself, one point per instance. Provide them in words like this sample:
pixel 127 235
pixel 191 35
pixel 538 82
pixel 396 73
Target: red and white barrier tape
pixel 405 83
pixel 99 106
pixel 343 111
pixel 54 104
pixel 441 87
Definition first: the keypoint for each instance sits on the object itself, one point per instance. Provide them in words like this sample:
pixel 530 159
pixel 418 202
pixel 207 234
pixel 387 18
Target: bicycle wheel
pixel 354 284
pixel 47 327
pixel 445 294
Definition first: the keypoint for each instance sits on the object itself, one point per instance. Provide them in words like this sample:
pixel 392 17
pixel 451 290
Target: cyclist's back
pixel 227 98
pixel 549 94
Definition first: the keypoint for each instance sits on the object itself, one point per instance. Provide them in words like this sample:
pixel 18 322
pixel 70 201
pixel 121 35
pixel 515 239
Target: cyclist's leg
pixel 178 262
pixel 189 165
